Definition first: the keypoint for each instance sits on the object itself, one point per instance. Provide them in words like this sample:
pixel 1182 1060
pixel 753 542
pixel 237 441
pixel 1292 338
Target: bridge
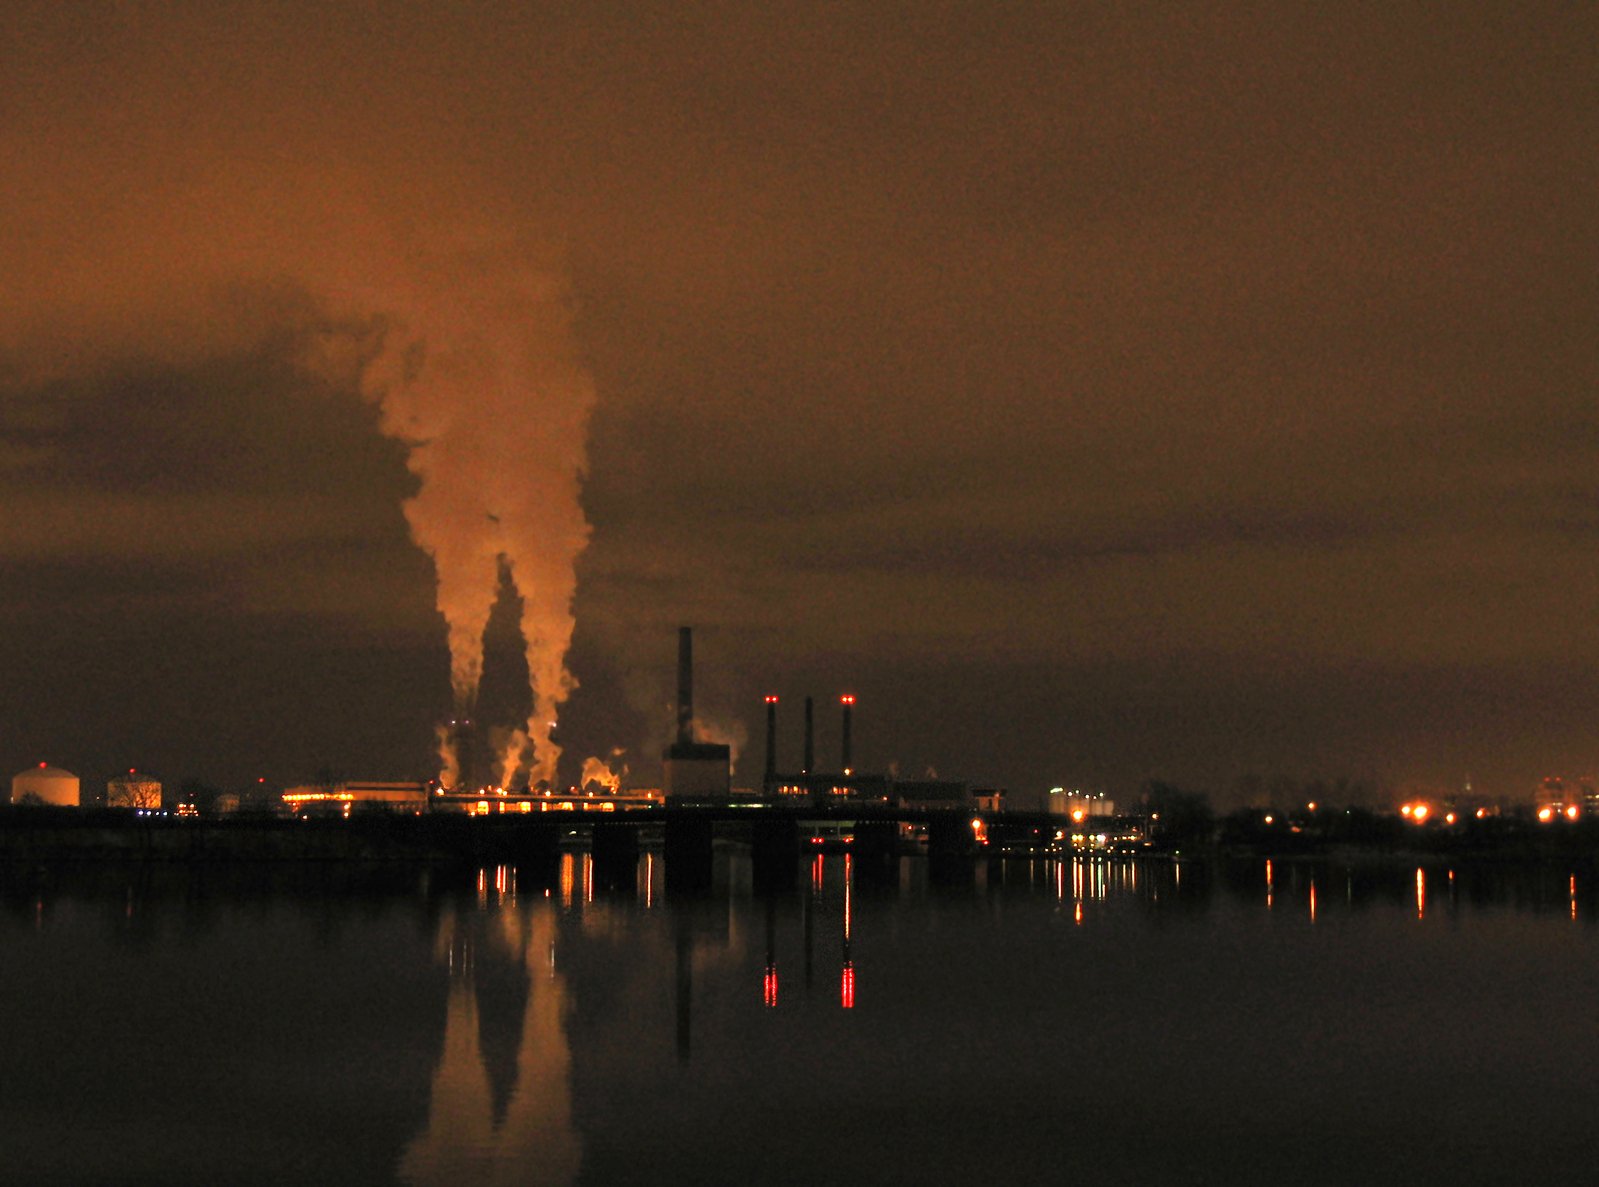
pixel 686 835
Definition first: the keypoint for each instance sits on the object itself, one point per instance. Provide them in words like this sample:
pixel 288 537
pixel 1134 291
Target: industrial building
pixel 693 770
pixel 45 784
pixel 497 801
pixel 1079 805
pixel 341 798
pixel 809 782
pixel 133 790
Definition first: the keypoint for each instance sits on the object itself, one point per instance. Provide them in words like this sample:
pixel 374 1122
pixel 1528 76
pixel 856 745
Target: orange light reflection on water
pixel 568 878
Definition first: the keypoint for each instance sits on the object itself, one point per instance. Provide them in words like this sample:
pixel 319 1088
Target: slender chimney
pixel 848 701
pixel 685 686
pixel 771 741
pixel 810 738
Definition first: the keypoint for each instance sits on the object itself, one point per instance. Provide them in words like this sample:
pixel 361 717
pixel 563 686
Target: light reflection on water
pixel 1294 1019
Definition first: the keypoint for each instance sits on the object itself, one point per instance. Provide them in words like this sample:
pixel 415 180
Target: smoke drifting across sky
pixel 1098 392
pixel 479 378
pixel 240 212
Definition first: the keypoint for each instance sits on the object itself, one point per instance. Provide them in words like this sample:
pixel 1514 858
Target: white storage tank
pixel 45 784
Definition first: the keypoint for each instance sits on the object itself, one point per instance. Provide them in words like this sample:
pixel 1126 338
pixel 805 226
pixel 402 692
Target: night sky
pixel 1098 392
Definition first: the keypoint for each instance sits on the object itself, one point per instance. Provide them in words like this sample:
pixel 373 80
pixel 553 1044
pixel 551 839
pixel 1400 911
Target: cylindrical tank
pixel 45 784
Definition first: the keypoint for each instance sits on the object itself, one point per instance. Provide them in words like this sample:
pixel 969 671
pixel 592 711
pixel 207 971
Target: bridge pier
pixel 876 851
pixel 774 854
pixel 614 848
pixel 688 853
pixel 950 845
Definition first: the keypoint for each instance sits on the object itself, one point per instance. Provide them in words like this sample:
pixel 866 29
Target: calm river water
pixel 1066 1022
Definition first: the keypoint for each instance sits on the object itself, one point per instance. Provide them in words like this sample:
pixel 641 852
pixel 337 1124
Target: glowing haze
pixel 383 247
pixel 1103 392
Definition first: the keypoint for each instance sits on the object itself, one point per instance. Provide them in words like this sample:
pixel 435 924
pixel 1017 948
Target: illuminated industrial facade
pixel 133 790
pixel 45 784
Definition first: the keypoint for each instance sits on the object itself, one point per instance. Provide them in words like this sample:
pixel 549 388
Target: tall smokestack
pixel 771 741
pixel 685 686
pixel 848 701
pixel 810 738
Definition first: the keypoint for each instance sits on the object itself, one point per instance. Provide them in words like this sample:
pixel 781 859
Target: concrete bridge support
pixel 951 844
pixel 774 854
pixel 614 847
pixel 688 853
pixel 876 852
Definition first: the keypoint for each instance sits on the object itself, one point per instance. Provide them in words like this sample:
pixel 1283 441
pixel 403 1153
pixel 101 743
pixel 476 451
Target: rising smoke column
pixel 477 373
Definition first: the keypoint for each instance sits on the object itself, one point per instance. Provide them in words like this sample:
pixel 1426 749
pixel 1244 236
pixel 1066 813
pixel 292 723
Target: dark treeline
pixel 1310 822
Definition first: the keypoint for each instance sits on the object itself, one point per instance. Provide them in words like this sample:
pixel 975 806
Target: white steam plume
pixel 450 773
pixel 729 733
pixel 479 377
pixel 607 772
pixel 512 748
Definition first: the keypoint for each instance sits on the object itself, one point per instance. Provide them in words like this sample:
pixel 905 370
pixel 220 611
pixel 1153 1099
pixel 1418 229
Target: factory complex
pixel 698 773
pixel 694 772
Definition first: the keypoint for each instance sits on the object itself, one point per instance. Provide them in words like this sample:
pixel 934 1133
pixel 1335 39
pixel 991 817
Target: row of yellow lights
pixel 482 807
pixel 1421 813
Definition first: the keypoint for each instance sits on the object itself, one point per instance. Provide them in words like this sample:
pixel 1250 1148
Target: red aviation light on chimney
pixel 847 699
pixel 771 700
